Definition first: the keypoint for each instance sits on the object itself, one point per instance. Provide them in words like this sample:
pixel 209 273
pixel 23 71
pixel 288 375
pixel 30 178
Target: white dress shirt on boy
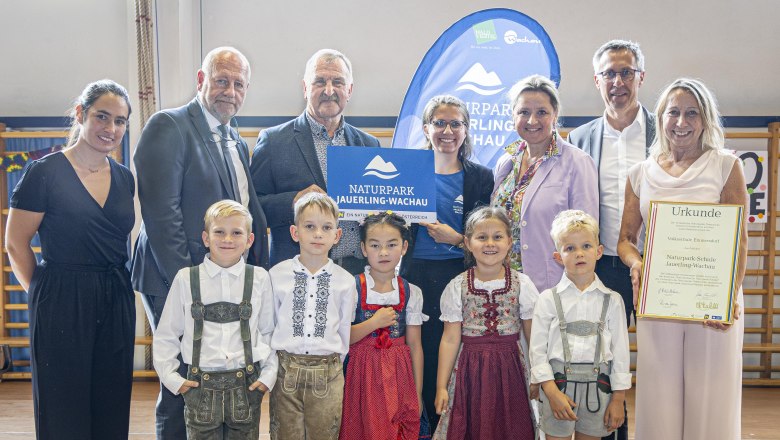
pixel 313 310
pixel 222 347
pixel 546 343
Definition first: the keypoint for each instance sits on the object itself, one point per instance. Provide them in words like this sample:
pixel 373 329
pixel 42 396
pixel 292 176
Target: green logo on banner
pixel 485 32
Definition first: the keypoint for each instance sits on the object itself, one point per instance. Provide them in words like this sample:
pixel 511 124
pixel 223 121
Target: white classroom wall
pixel 52 48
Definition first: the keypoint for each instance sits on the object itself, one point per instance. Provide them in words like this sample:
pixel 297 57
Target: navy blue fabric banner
pixel 478 59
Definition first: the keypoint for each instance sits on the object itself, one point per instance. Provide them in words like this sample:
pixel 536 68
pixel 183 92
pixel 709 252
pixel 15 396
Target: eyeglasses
pixel 625 74
pixel 454 124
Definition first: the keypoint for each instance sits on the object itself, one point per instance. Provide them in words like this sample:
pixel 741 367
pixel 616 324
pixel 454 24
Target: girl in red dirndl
pixel 382 399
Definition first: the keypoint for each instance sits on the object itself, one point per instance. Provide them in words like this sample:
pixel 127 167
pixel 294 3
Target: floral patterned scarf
pixel 511 191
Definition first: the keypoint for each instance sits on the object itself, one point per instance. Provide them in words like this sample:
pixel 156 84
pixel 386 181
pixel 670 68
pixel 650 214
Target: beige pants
pixel 306 400
pixel 689 380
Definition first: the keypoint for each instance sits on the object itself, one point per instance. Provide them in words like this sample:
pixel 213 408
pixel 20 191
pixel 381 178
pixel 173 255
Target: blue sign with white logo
pixel 368 180
pixel 478 59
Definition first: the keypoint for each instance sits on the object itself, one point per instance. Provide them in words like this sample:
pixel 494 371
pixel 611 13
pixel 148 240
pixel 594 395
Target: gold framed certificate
pixel 690 261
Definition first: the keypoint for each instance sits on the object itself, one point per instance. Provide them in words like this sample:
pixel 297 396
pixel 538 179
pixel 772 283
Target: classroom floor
pixel 760 409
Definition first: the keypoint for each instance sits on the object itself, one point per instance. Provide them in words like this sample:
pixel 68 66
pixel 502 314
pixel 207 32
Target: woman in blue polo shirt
pixel 435 254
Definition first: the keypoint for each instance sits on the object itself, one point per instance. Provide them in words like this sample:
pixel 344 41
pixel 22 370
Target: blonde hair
pixel 712 137
pixel 572 220
pixel 535 83
pixel 322 201
pixel 224 209
pixel 480 215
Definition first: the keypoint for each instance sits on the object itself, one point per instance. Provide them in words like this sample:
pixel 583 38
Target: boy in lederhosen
pixel 579 341
pixel 223 312
pixel 314 300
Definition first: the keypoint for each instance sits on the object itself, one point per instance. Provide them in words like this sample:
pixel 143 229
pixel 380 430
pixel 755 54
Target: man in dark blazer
pixel 290 159
pixel 616 141
pixel 187 159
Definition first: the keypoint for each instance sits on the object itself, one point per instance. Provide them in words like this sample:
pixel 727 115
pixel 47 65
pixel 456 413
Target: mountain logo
pixel 379 168
pixel 459 199
pixel 478 80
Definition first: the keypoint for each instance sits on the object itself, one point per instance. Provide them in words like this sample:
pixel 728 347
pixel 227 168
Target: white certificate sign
pixel 690 261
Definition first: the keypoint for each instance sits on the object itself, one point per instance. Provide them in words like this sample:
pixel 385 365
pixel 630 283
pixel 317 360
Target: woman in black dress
pixel 82 306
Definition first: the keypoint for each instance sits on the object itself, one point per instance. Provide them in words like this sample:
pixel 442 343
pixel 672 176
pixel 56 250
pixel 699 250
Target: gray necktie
pixel 229 164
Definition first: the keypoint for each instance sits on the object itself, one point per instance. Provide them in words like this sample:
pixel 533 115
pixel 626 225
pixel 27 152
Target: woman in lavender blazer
pixel 539 176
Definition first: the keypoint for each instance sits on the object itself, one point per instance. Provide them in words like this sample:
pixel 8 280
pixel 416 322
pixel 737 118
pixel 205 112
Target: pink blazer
pixel 568 180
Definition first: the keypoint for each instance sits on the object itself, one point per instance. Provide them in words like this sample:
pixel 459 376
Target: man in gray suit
pixel 616 141
pixel 290 159
pixel 186 159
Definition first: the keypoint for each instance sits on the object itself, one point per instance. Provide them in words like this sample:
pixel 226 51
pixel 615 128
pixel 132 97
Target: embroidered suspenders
pixel 221 312
pixel 581 373
pixel 580 328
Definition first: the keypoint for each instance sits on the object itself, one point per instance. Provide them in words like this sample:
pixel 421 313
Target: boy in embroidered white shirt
pixel 314 301
pixel 583 370
pixel 219 316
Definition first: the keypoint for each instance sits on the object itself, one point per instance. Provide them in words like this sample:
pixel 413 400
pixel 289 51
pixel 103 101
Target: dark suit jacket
pixel 589 137
pixel 477 187
pixel 180 174
pixel 285 162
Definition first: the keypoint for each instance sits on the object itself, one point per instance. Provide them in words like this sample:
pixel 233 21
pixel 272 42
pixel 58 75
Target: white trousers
pixel 689 380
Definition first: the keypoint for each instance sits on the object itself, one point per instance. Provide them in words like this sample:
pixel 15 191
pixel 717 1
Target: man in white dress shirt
pixel 616 141
pixel 187 159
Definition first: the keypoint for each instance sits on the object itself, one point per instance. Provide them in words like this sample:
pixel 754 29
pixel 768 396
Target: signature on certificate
pixel 707 305
pixel 665 303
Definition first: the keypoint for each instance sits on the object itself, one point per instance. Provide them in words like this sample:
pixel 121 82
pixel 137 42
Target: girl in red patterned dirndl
pixel 383 382
pixel 481 384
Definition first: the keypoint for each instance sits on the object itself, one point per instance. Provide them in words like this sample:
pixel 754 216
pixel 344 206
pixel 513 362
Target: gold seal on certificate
pixel 690 262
